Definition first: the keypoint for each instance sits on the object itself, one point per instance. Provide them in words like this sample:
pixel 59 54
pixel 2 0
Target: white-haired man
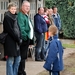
pixel 27 34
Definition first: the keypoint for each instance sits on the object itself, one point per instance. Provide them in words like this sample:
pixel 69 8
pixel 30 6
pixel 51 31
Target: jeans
pixel 12 65
pixel 40 46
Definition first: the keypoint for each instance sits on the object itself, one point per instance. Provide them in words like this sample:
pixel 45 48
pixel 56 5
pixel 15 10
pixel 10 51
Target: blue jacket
pixel 57 21
pixel 40 25
pixel 54 60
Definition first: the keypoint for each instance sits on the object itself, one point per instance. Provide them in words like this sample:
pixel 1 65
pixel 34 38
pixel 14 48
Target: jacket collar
pixel 55 37
pixel 13 16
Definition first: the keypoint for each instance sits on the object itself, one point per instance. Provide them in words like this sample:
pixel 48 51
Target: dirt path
pixel 69 65
pixel 68 51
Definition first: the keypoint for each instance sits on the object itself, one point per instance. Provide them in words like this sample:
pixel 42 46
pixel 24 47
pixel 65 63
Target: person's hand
pixel 20 42
pixel 6 57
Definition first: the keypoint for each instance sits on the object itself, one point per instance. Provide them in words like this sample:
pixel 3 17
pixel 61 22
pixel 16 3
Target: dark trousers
pixel 23 53
pixel 54 73
pixel 40 46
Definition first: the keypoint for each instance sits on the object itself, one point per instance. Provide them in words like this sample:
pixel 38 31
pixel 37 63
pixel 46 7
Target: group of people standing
pixel 42 21
pixel 20 32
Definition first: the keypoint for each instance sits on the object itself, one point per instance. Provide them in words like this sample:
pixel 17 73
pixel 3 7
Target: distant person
pixel 45 15
pixel 27 34
pixel 12 41
pixel 57 20
pixel 54 58
pixel 50 17
pixel 56 17
pixel 40 27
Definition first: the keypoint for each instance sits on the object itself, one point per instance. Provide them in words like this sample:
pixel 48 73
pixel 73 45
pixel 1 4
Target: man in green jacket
pixel 27 34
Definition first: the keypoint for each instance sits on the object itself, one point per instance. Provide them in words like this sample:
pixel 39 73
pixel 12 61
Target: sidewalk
pixel 33 67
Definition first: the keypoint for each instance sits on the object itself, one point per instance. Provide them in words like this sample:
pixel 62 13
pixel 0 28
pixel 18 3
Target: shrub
pixel 66 9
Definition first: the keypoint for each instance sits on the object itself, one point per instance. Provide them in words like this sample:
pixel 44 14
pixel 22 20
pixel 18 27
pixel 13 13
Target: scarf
pixel 16 26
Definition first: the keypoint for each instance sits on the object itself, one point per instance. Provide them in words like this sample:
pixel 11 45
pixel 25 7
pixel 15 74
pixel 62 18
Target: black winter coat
pixel 12 40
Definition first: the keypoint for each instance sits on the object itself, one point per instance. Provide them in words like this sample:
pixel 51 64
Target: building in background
pixel 34 4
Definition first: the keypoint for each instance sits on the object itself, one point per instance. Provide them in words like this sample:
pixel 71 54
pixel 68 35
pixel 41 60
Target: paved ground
pixel 33 67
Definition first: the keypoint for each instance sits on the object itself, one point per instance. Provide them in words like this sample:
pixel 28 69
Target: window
pixel 1 17
pixel 39 5
pixel 6 4
pixel 32 6
pixel 32 9
pixel 3 5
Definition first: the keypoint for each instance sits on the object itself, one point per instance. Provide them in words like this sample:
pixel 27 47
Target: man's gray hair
pixel 25 2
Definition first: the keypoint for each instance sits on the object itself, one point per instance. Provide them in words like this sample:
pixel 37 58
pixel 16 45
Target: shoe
pixel 24 73
pixel 64 48
pixel 38 59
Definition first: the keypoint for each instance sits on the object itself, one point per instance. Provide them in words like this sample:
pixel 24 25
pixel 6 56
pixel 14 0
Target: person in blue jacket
pixel 54 59
pixel 56 17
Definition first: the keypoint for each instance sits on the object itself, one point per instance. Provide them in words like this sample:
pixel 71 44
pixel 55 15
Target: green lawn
pixel 69 45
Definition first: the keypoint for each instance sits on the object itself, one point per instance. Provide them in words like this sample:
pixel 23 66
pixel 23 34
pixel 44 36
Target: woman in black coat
pixel 12 41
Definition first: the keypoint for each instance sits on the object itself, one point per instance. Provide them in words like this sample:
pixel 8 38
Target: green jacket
pixel 23 22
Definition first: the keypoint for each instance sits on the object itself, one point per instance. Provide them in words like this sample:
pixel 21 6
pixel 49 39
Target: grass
pixel 69 45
